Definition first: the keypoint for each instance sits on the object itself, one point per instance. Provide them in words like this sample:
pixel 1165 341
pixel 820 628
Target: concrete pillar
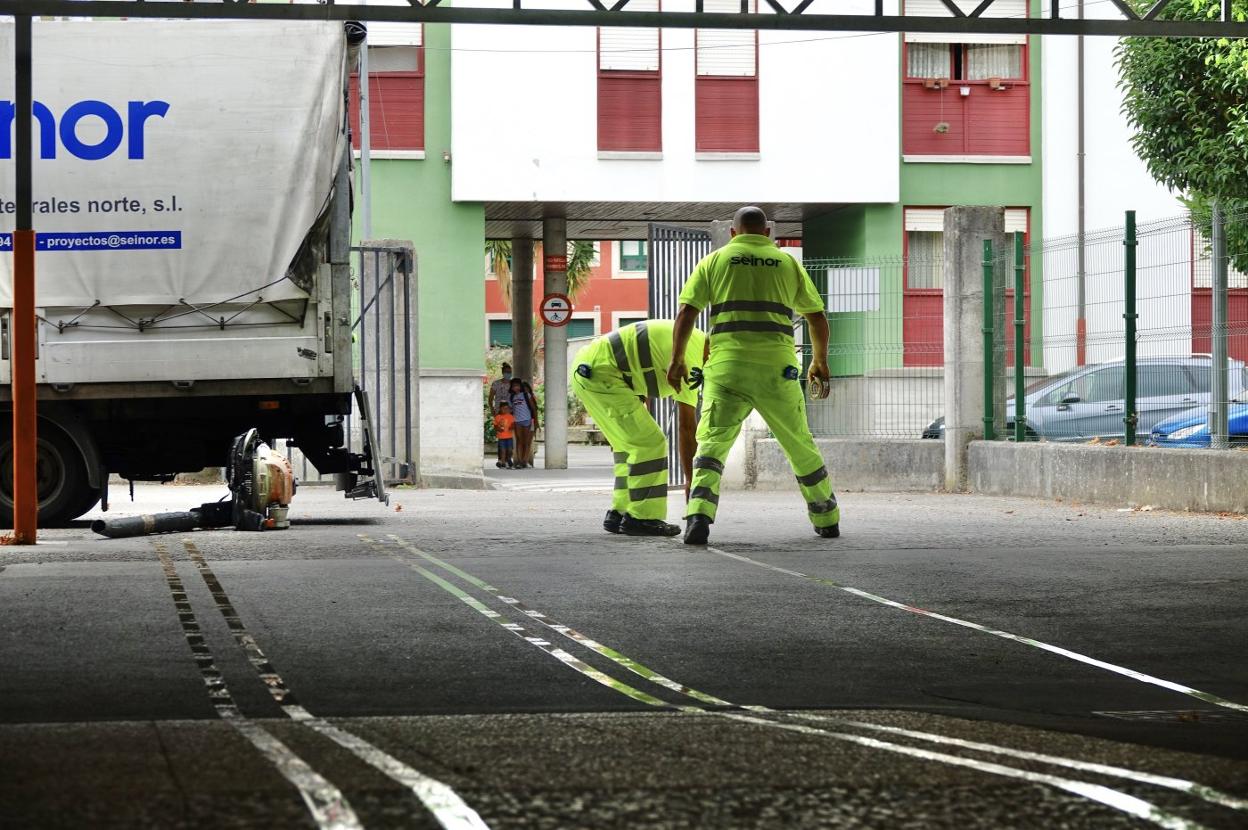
pixel 966 228
pixel 554 246
pixel 522 308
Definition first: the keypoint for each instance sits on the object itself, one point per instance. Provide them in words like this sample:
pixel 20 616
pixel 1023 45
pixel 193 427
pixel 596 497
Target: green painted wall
pixel 412 201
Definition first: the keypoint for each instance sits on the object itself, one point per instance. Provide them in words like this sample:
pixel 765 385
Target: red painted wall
pixel 607 293
pixel 1236 322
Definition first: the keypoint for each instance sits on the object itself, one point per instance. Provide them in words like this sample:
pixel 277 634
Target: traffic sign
pixel 556 309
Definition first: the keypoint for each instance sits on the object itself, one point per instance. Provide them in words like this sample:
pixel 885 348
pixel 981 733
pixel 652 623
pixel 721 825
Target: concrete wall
pixel 1172 479
pixel 859 464
pixel 525 118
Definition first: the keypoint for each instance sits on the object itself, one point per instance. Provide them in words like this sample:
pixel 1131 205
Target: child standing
pixel 504 428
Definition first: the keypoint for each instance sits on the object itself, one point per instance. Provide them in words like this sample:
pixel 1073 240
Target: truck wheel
pixel 61 479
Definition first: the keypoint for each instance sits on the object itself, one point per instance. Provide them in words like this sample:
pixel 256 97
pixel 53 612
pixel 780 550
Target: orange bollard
pixel 25 412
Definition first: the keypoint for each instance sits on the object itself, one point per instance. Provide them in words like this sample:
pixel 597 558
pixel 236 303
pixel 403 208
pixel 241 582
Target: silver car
pixel 1089 401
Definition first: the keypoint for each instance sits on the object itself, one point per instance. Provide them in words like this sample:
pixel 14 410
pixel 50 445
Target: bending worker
pixel 753 288
pixel 613 375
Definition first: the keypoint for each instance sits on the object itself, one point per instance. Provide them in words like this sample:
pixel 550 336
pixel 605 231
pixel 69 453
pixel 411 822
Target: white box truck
pixel 192 206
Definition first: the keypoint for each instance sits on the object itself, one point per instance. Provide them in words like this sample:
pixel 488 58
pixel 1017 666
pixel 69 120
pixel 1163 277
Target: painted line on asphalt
pixel 439 799
pixel 328 806
pixel 1116 799
pixel 520 631
pixel 1105 795
pixel 996 632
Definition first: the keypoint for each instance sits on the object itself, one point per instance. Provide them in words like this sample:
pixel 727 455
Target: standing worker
pixel 613 375
pixel 753 288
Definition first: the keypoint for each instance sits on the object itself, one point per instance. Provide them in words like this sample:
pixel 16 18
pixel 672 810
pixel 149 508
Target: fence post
pixel 1219 388
pixel 989 427
pixel 1020 322
pixel 1130 416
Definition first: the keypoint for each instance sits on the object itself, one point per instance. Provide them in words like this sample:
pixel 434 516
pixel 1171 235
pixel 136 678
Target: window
pixel 628 321
pixel 1105 385
pixel 634 255
pixel 500 332
pixel 396 103
pixel 925 259
pixel 581 327
pixel 630 103
pixel 726 86
pixel 1164 381
pixel 965 95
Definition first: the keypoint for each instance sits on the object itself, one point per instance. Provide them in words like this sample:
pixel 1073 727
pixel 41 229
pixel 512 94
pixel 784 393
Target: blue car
pixel 1191 428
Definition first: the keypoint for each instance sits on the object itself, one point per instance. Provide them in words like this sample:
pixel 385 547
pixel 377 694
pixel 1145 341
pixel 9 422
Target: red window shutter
pixel 923 110
pixel 630 111
pixel 727 114
pixel 396 111
pixel 998 121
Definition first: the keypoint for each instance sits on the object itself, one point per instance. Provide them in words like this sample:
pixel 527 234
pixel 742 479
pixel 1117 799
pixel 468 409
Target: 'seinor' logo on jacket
pixel 742 259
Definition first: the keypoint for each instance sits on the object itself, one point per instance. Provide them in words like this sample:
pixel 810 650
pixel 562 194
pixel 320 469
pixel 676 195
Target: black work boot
pixel 647 527
pixel 697 529
pixel 611 522
pixel 829 532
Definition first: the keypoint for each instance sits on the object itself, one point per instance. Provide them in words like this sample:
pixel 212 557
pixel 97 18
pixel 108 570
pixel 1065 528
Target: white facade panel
pixel 393 34
pixel 808 152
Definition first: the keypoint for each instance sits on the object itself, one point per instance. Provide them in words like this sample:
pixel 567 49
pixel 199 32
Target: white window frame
pixel 617 316
pixel 617 271
pixel 490 316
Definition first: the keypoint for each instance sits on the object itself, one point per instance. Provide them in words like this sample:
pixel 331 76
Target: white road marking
pixel 447 807
pixel 1112 798
pixel 1005 635
pixel 329 807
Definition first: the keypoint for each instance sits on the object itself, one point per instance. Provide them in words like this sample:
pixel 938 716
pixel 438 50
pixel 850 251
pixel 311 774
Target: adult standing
pixel 524 410
pixel 753 288
pixel 613 375
pixel 500 390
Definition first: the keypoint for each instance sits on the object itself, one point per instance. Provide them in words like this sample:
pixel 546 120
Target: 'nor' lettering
pixel 131 129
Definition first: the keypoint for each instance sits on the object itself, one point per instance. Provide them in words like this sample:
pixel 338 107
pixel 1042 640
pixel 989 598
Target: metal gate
pixel 673 253
pixel 385 363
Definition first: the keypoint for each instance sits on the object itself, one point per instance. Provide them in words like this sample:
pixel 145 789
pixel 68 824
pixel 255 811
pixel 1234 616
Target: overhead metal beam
pixel 596 13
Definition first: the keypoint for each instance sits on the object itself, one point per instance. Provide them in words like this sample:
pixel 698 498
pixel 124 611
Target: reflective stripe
pixel 821 506
pixel 647 360
pixel 704 493
pixel 621 483
pixel 621 356
pixel 658 491
pixel 752 325
pixel 620 457
pixel 813 478
pixel 658 465
pixel 752 305
pixel 705 462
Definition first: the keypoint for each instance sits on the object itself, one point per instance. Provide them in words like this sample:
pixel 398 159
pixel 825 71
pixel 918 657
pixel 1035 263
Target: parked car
pixel 1191 428
pixel 1089 401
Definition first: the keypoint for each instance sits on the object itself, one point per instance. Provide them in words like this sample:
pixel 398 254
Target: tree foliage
pixel 1187 101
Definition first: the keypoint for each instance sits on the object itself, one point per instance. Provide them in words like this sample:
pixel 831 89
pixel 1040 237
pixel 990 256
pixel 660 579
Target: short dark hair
pixel 501 405
pixel 506 366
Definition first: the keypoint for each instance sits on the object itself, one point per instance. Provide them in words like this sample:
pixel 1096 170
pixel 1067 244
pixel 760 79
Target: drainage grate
pixel 1175 716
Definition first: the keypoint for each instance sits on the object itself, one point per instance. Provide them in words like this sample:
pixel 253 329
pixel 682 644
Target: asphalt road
pixel 469 659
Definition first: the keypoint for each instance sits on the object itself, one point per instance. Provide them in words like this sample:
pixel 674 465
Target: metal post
pixel 989 429
pixel 366 183
pixel 1130 417
pixel 1081 301
pixel 1020 322
pixel 1219 389
pixel 25 412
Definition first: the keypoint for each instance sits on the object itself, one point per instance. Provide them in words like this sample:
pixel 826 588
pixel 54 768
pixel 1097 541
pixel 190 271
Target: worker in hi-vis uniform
pixel 753 288
pixel 612 376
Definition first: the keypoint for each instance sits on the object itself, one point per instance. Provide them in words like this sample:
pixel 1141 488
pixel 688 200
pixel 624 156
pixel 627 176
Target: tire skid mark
pixel 1105 795
pixel 996 632
pixel 328 806
pixel 440 800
